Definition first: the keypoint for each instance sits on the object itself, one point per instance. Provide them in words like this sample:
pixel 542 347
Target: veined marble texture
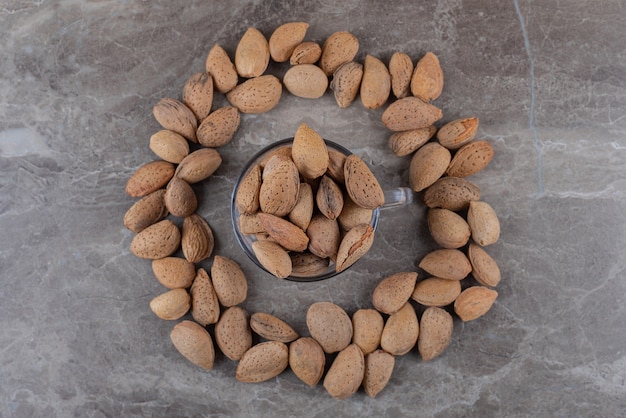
pixel 78 81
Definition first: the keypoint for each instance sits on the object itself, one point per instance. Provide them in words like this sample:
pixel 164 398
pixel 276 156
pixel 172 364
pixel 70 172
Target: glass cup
pixel 393 198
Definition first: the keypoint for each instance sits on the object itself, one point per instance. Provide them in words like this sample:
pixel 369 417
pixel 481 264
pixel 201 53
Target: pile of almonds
pixel 461 274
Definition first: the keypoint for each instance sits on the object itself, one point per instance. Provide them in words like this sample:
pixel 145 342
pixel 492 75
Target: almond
pixel 180 199
pixel 450 264
pixel 324 236
pixel 302 212
pixel 427 79
pixel 272 328
pixel 354 245
pixel 307 360
pixel 435 291
pixel 407 142
pixel 435 333
pixel 199 165
pixel 474 302
pixel 428 164
pixel 306 53
pixel 451 193
pixel 169 146
pixel 376 83
pixel 278 194
pixel 401 331
pixel 329 198
pixel 146 211
pixel 361 184
pixel 171 305
pixel 378 369
pixel 401 72
pixel 483 222
pixel 159 240
pixel 470 159
pixel 288 235
pixel 175 116
pixel 308 265
pixel 353 215
pixel 205 307
pixel 229 281
pixel 222 69
pixel 484 268
pixel 338 48
pixel 393 292
pixel 194 343
pixel 309 152
pixel 149 178
pixel 273 258
pixel 346 83
pixel 174 272
pixel 330 325
pixel 457 133
pixel 263 362
pixel 448 228
pixel 197 239
pixel 306 80
pixel 285 38
pixel 219 127
pixel 247 197
pixel 336 161
pixel 232 333
pixel 252 54
pixel 198 94
pixel 284 150
pixel 346 373
pixel 368 328
pixel 410 113
pixel 256 95
pixel 250 224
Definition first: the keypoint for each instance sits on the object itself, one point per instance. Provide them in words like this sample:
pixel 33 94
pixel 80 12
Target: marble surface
pixel 77 84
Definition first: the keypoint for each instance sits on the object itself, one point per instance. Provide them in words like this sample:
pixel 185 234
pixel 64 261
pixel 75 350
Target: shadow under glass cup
pixel 393 198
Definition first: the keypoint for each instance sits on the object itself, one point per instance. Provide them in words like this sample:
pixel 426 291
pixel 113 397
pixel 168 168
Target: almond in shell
pixel 194 343
pixel 346 83
pixel 453 193
pixel 470 159
pixel 256 95
pixel 263 362
pixel 330 325
pixel 367 327
pixel 222 69
pixel 435 291
pixel 250 224
pixel 229 281
pixel 288 235
pixel 273 258
pixel 428 164
pixel 361 184
pixel 338 48
pixel 174 272
pixel 474 302
pixel 336 161
pixel 376 83
pixel 180 199
pixel 435 333
pixel 401 72
pixel 197 239
pixel 278 194
pixel 174 115
pixel 169 145
pixel 324 236
pixel 354 245
pixel 247 197
pixel 483 222
pixel 448 228
pixel 410 113
pixel 272 328
pixel 232 333
pixel 199 165
pixel 306 264
pixel 252 54
pixel 149 177
pixel 306 53
pixel 458 132
pixel 159 240
pixel 307 360
pixel 198 94
pixel 393 292
pixel 346 373
pixel 449 264
pixel 306 80
pixel 302 212
pixel 407 142
pixel 353 215
pixel 309 152
pixel 285 38
pixel 171 305
pixel 205 307
pixel 219 127
pixel 427 79
pixel 378 369
pixel 401 331
pixel 146 211
pixel 484 268
pixel 329 198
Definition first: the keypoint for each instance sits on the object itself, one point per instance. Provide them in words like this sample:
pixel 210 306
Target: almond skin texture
pixel 149 178
pixel 428 164
pixel 448 228
pixel 247 198
pixel 401 71
pixel 378 369
pixel 307 265
pixel 263 362
pixel 252 54
pixel 346 373
pixel 329 198
pixel 361 184
pixel 483 222
pixel 353 215
pixel 198 94
pixel 174 272
pixel 354 245
pixel 199 165
pixel 219 127
pixel 324 236
pixel 346 83
pixel 309 152
pixel 306 53
pixel 194 343
pixel 205 307
pixel 376 83
pixel 159 240
pixel 330 325
pixel 175 116
pixel 288 235
pixel 470 159
pixel 256 95
pixel 401 331
pixel 146 211
pixel 435 333
pixel 338 48
pixel 222 69
pixel 278 194
pixel 453 193
pixel 307 360
pixel 410 113
pixel 272 328
pixel 285 38
pixel 232 333
pixel 393 292
pixel 171 305
pixel 229 281
pixel 427 80
pixel 407 142
pixel 336 162
pixel 474 302
pixel 197 239
pixel 368 327
pixel 250 224
pixel 457 133
pixel 306 80
pixel 302 212
pixel 484 268
pixel 449 264
pixel 169 146
pixel 273 257
pixel 180 199
pixel 436 292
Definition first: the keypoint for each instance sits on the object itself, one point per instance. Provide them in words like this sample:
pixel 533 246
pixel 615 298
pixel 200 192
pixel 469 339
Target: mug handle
pixel 400 196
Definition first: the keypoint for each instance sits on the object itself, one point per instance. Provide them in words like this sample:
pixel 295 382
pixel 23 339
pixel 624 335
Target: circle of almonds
pixel 459 277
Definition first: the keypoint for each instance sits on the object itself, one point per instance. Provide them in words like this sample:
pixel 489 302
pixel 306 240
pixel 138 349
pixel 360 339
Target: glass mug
pixel 395 197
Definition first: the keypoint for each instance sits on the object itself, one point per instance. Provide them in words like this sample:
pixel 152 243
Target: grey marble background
pixel 77 84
